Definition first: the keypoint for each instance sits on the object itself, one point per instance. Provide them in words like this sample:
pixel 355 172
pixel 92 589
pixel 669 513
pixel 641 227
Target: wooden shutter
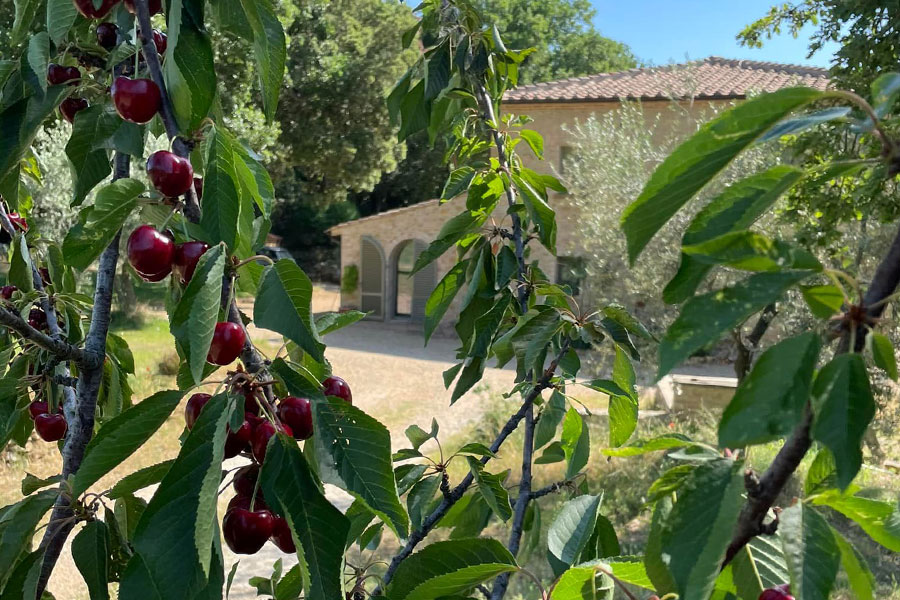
pixel 372 279
pixel 423 284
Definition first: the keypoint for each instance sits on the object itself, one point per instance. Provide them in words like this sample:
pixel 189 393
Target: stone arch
pixel 408 293
pixel 371 278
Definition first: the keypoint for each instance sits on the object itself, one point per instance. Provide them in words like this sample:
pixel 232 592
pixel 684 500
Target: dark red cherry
pixel 186 257
pixel 198 187
pixel 150 253
pixel 50 427
pixel 246 532
pixel 242 501
pixel 227 343
pixel 193 407
pixel 154 5
pixel 7 291
pixel 779 592
pixel 38 408
pixel 161 41
pixel 169 173
pixel 238 441
pixel 37 318
pixel 58 74
pixel 71 107
pixel 86 8
pixel 281 536
pixel 136 100
pixel 335 386
pixel 261 435
pixel 297 413
pixel 107 35
pixel 245 480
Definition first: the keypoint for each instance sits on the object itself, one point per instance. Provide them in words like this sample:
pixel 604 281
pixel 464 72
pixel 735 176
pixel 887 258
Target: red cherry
pixel 242 501
pixel 71 107
pixel 37 318
pixel 261 435
pixel 335 386
pixel 108 35
pixel 192 410
pixel 245 532
pixel 45 275
pixel 186 257
pixel 281 536
pixel 779 592
pixel 170 174
pixel 245 480
pixel 58 74
pixel 198 187
pixel 150 253
pixel 18 222
pixel 6 291
pixel 50 427
pixel 297 414
pixel 154 5
pixel 238 441
pixel 38 408
pixel 136 100
pixel 86 8
pixel 227 343
pixel 160 40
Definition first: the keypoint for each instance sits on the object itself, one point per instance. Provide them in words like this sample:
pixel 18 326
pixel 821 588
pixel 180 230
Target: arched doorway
pixel 371 283
pixel 410 291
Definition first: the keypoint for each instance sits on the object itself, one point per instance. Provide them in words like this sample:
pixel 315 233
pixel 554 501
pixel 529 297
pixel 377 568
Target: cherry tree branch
pixel 761 497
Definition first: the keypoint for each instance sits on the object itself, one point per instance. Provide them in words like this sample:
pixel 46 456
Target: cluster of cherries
pixel 136 100
pixel 249 522
pixel 779 592
pixel 50 427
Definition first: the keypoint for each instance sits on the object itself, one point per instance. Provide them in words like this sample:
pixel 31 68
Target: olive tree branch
pixel 761 498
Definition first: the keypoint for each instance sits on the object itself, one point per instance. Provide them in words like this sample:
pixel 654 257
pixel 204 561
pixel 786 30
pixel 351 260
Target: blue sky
pixel 664 31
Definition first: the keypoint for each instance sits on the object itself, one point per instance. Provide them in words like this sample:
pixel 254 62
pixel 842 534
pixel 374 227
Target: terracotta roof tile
pixel 707 79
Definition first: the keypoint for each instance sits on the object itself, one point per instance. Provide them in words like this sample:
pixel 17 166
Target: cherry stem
pixel 254 259
pixel 255 491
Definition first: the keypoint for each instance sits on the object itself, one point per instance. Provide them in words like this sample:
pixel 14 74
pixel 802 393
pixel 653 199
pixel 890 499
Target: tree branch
pixel 59 348
pixel 751 520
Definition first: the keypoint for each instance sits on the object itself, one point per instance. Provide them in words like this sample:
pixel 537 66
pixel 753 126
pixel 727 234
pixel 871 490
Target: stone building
pixel 377 252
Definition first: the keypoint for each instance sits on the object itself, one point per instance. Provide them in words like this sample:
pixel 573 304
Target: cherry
pixel 37 318
pixel 50 427
pixel 281 536
pixel 18 222
pixel 198 187
pixel 238 441
pixel 186 257
pixel 38 408
pixel 297 413
pixel 779 592
pixel 86 8
pixel 107 35
pixel 58 74
pixel 261 435
pixel 136 100
pixel 161 41
pixel 246 531
pixel 251 406
pixel 154 5
pixel 7 291
pixel 242 501
pixel 335 386
pixel 45 275
pixel 245 480
pixel 150 253
pixel 71 107
pixel 227 343
pixel 169 173
pixel 192 410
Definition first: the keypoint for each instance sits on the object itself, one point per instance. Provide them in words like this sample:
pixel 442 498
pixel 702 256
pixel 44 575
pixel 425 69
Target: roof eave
pixel 607 100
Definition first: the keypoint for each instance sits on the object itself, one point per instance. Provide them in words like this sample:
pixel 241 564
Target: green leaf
pixel 751 251
pixel 576 442
pixel 490 486
pixel 623 417
pixel 189 72
pixel 883 354
pixel 269 49
pixel 669 482
pixel 583 583
pixel 470 375
pixel 603 543
pixel 31 484
pixel 811 552
pixel 451 232
pixel 193 321
pixel 419 500
pixel 550 418
pixel 697 532
pixel 17 526
pixel 705 318
pixel 458 182
pixel 284 305
pixel 822 473
pixel 443 569
pixel 655 563
pixel 329 322
pixel 843 407
pixel 354 452
pixel 121 436
pixel 417 436
pixel 823 300
pixel 38 56
pixel 698 160
pixel 876 518
pixel 663 442
pixel 771 400
pixel 539 212
pixel 802 122
pixel 60 18
pixel 535 141
pixel 553 453
pixel 476 449
pixel 181 516
pixel 90 550
pixel 221 189
pixel 861 579
pixel 26 12
pixel 319 528
pixel 92 134
pixel 442 297
pixel 140 479
pixel 571 531
pixel 23 580
pixel 20 266
pixel 20 122
pixel 885 90
pixel 100 223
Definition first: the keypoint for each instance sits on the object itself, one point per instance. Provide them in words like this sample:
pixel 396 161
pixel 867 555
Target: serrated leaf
pixel 194 319
pixel 457 182
pixel 451 232
pixel 823 300
pixel 121 436
pixel 885 90
pixel 583 583
pixel 695 162
pixel 446 568
pixel 705 318
pixel 550 418
pixel 319 528
pixel 113 204
pixel 534 140
pixel 571 531
pixel 883 354
pixel 221 189
pixel 23 580
pixel 771 400
pixel 284 305
pixel 576 444
pixel 269 49
pixel 140 479
pixel 417 436
pixel 876 518
pixel 663 442
pixel 31 484
pixel 189 72
pixel 26 11
pixel 860 577
pixel 669 482
pixel 17 526
pixel 329 322
pixel 476 449
pixel 419 499
pixel 38 58
pixel 811 551
pixel 843 407
pixel 750 251
pixel 540 213
pixel 60 18
pixel 490 486
pixel 442 297
pixel 90 550
pixel 800 123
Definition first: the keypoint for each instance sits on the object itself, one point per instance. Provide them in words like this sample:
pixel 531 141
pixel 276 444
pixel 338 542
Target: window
pixel 570 271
